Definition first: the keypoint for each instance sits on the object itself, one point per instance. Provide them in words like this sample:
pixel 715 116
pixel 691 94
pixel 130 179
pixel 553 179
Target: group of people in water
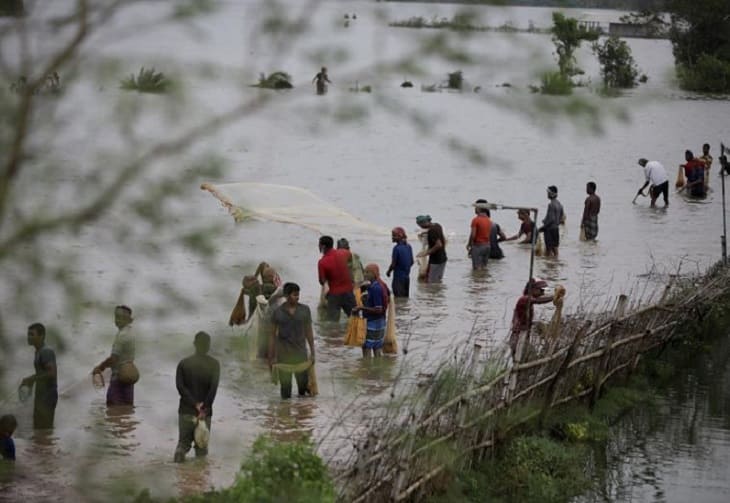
pixel 285 336
pixel 196 380
pixel 693 176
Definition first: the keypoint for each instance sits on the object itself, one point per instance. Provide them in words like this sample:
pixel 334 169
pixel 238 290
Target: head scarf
pixel 423 219
pixel 552 191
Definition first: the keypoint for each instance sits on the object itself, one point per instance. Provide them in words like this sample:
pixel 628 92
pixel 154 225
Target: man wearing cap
pixel 436 250
pixel 400 263
pixel 656 178
pixel 478 247
pixel 534 293
pixel 334 272
pixel 551 223
pixel 197 383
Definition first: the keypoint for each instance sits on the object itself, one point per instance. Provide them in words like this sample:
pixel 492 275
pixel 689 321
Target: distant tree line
pixel 637 5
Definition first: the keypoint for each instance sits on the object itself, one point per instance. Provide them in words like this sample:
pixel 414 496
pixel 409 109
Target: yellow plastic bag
pixel 390 342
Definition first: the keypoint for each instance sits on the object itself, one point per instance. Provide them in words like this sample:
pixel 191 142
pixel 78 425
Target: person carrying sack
pixel 374 310
pixel 121 361
pixel 196 380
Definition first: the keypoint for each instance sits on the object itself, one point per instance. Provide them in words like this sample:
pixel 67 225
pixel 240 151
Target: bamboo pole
pixel 620 308
pixel 552 387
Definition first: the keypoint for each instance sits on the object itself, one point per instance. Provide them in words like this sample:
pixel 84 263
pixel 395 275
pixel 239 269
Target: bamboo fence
pixel 456 421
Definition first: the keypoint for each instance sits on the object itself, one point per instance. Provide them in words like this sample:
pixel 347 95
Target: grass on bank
pixel 148 80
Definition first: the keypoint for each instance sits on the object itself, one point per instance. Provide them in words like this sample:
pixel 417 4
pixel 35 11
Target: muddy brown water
pixel 377 167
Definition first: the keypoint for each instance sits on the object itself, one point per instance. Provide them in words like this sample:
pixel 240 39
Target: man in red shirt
pixel 534 293
pixel 334 272
pixel 694 170
pixel 478 246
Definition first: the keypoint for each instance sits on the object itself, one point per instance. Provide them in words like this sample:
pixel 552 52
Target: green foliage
pixel 455 80
pixel 13 8
pixel 538 469
pixel 277 472
pixel 618 67
pixel 567 37
pixel 700 43
pixel 147 81
pixel 191 8
pixel 276 80
pixel 556 83
pixel 709 74
pixel 460 22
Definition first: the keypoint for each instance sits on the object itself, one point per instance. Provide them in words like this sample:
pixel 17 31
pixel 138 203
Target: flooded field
pixel 364 153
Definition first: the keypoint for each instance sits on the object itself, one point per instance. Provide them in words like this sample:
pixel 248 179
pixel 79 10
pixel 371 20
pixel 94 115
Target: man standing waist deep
pixel 44 380
pixel 123 351
pixel 196 379
pixel 333 271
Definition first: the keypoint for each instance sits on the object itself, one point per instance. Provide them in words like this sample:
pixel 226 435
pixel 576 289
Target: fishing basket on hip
pixel 128 373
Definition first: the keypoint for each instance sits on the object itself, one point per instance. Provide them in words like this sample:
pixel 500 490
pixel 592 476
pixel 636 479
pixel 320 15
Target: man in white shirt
pixel 656 178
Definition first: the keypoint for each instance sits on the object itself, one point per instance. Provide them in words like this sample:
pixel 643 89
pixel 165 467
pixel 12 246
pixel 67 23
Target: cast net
pixel 290 205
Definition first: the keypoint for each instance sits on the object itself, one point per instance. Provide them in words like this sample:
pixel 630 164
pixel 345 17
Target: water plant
pixel 618 67
pixel 455 80
pixel 555 83
pixel 148 80
pixel 276 80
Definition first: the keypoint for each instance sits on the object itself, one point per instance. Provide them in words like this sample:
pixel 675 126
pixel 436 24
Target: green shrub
pixel 147 81
pixel 456 80
pixel 540 469
pixel 277 471
pixel 618 67
pixel 276 80
pixel 555 83
pixel 12 8
pixel 709 75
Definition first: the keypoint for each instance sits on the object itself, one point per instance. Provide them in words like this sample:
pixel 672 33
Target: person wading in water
pixel 321 80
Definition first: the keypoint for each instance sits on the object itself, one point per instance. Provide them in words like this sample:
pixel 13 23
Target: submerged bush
pixel 147 81
pixel 618 67
pixel 555 83
pixel 276 80
pixel 709 74
pixel 455 80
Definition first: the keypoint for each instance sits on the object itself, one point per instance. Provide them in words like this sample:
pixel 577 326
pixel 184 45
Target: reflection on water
pixel 437 320
pixel 288 420
pixel 193 476
pixel 677 450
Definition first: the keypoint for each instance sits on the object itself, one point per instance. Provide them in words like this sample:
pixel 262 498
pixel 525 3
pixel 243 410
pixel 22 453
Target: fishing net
pixel 291 205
